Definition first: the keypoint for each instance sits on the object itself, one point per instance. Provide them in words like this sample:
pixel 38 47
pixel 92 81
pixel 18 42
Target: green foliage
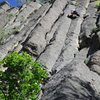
pixel 86 61
pixel 10 15
pixel 95 30
pixel 6 33
pixel 98 4
pixel 22 79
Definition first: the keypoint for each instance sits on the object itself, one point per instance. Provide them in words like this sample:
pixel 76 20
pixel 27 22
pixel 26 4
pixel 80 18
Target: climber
pixel 74 14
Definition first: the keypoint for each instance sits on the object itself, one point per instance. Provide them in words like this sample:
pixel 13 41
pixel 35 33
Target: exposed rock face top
pixel 65 37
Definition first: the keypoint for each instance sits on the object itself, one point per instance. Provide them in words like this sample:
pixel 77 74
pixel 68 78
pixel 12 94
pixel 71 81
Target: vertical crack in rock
pixel 90 38
pixel 45 25
pixel 71 43
pixel 20 21
pixel 59 31
pixel 52 51
pixel 88 25
pixel 75 81
pixel 23 34
pixel 46 36
pixel 65 38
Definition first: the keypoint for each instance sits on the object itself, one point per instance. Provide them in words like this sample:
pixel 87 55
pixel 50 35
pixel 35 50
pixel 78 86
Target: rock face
pixel 75 81
pixel 65 37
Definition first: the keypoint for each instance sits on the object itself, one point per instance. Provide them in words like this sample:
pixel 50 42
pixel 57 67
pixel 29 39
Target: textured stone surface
pixel 45 25
pixel 53 51
pixel 73 82
pixel 17 23
pixel 95 58
pixel 13 40
pixel 95 68
pixel 71 44
pixel 88 24
pixel 65 37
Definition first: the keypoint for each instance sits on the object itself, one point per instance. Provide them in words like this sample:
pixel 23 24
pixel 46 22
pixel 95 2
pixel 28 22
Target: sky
pixel 14 3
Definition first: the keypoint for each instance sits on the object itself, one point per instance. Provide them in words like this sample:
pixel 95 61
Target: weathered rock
pixel 49 57
pixel 18 48
pixel 3 19
pixel 88 25
pixel 95 68
pixel 71 44
pixel 14 40
pixel 98 34
pixel 73 82
pixel 5 7
pixel 27 11
pixel 44 1
pixel 17 23
pixel 94 62
pixel 60 36
pixel 94 45
pixel 95 58
pixel 6 14
pixel 45 26
pixel 98 20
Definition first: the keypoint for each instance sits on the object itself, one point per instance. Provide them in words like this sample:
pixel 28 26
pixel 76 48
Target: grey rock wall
pixel 65 37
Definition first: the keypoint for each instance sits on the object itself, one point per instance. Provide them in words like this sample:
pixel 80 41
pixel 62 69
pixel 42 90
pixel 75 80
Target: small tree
pixel 22 79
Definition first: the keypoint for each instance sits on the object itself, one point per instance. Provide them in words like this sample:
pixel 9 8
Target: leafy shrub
pixel 95 30
pixel 86 61
pixel 10 16
pixel 98 4
pixel 22 79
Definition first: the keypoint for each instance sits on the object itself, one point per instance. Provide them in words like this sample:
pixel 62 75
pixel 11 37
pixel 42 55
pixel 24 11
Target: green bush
pixel 95 30
pixel 22 79
pixel 98 4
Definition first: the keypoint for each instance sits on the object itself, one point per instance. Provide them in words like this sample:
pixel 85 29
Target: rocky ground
pixel 65 37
